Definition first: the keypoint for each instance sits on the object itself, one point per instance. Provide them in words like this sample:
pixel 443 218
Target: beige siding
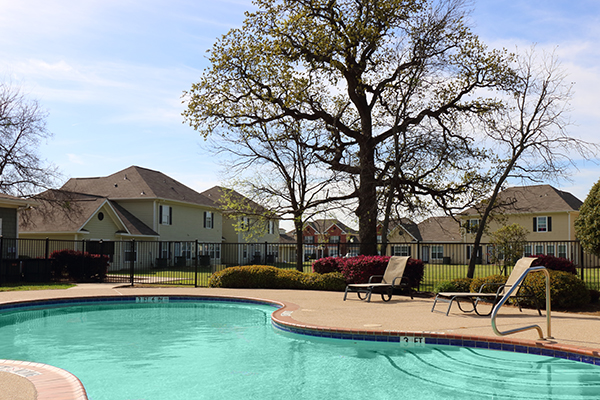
pixel 142 209
pixel 188 225
pixel 105 229
pixel 562 226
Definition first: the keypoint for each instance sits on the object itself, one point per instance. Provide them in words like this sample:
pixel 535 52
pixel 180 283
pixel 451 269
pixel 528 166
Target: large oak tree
pixel 371 75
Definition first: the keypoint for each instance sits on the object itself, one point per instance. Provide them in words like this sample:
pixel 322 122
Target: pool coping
pixel 55 383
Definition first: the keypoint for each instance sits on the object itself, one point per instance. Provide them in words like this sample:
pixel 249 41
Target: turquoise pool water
pixel 222 350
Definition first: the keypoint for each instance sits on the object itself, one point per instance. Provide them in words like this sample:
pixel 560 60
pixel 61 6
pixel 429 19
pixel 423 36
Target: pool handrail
pixel 506 297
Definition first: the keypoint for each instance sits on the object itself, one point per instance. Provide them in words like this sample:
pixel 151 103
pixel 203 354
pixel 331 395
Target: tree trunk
pixel 298 226
pixel 367 202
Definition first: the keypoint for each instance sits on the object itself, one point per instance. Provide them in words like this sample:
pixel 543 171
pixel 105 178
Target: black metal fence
pixel 193 262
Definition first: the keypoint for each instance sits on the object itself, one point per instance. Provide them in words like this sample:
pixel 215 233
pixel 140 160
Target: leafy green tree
pixel 370 75
pixel 508 244
pixel 587 224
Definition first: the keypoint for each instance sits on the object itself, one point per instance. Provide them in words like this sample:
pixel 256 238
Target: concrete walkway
pixel 328 310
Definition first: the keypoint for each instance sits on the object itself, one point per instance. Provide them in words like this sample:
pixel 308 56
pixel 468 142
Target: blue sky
pixel 111 74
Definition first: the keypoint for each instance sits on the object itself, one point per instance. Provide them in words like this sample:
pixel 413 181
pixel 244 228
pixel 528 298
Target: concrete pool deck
pixel 317 310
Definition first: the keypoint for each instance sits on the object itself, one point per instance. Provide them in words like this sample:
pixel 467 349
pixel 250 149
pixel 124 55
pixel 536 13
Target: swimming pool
pixel 167 348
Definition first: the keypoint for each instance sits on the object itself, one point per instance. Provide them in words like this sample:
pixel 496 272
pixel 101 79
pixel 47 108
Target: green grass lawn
pixel 11 287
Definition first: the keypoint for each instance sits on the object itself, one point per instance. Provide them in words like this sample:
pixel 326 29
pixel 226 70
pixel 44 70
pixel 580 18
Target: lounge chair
pixel 393 278
pixel 519 269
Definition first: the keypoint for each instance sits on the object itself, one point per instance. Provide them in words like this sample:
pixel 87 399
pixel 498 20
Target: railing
pixel 516 286
pixel 192 262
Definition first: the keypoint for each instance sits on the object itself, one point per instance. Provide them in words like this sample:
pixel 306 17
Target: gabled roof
pixel 68 212
pixel 406 225
pixel 137 183
pixel 533 199
pixel 440 229
pixel 220 196
pixel 321 226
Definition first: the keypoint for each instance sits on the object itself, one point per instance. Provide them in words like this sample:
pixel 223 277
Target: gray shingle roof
pixel 533 199
pixel 137 183
pixel 60 211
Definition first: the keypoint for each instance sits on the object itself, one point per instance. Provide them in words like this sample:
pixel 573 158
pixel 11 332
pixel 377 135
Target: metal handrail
pixel 506 297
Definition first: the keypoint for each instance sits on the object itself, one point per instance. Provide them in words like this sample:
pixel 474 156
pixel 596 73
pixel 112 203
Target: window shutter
pixel 409 250
pixel 468 252
pixel 205 219
pixel 549 224
pixel 212 220
pixel 160 211
pixel 534 224
pixel 170 215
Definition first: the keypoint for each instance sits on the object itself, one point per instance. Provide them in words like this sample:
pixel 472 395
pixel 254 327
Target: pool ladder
pixel 525 328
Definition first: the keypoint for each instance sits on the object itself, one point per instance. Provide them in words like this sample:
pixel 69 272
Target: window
pixel 271 227
pixel 164 249
pixel 401 251
pixel 309 239
pixel 550 250
pixel 527 250
pixel 186 250
pixel 379 238
pixel 539 249
pixel 212 250
pixel 244 224
pixel 437 252
pixel 209 220
pixel 333 251
pixel 542 224
pixel 562 250
pixel 472 225
pixel 165 215
pixel 334 239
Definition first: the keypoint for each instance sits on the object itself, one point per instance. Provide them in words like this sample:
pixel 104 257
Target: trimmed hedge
pixel 456 285
pixel 566 289
pixel 555 263
pixel 327 264
pixel 268 277
pixel 79 266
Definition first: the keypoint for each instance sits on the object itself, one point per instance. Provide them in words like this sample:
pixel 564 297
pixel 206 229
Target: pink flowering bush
pixel 327 264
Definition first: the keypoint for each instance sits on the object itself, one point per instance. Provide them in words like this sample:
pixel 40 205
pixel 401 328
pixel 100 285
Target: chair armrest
pixel 501 286
pixel 375 276
pixel 401 278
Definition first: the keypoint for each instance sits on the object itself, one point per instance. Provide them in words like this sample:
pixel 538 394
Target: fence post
pixel 131 262
pixel 196 264
pixel 266 246
pixel 47 255
pixel 582 263
pixel 1 256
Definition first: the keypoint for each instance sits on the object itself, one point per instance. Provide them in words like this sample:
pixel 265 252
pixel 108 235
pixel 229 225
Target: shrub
pixel 360 268
pixel 268 277
pixel 566 289
pixel 491 283
pixel 327 264
pixel 456 285
pixel 594 295
pixel 555 264
pixel 79 266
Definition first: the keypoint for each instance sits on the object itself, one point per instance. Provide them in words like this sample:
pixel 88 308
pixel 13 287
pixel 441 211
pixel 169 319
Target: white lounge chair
pixel 519 269
pixel 393 278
